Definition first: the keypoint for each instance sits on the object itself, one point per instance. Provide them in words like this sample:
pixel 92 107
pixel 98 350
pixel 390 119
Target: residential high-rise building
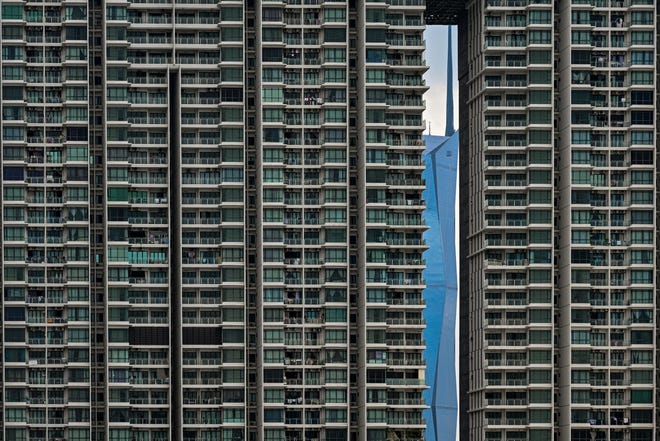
pixel 212 220
pixel 558 241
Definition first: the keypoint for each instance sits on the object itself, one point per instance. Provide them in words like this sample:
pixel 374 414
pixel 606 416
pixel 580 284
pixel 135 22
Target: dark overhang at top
pixel 443 12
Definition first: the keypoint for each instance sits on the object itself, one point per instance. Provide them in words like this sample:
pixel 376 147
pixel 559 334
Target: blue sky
pixel 436 77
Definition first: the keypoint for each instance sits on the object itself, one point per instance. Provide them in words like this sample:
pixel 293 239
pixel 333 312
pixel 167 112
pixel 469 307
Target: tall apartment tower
pixel 558 180
pixel 212 220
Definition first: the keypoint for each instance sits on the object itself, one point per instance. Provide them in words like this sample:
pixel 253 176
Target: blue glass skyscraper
pixel 441 157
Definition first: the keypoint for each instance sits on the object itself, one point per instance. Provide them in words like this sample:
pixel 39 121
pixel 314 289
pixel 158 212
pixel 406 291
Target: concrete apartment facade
pixel 558 232
pixel 212 220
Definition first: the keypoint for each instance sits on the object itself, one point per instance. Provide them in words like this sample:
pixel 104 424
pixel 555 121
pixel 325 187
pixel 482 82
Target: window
pixel 335 195
pixel 232 54
pixel 335 336
pixel 375 56
pixel 539 117
pixel 115 33
pixel 335 415
pixel 273 336
pixel 275 295
pixel 232 376
pixel 334 55
pixel 641 117
pixel 12 72
pixel 14 233
pixel 580 37
pixel 540 37
pixel 12 32
pixel 539 137
pixel 12 12
pixel 15 415
pixel 580 177
pixel 230 114
pixel 13 93
pixel 272 95
pixel 375 36
pixel 76 153
pixel 233 134
pixel 13 193
pixel 116 13
pixel 641 57
pixel 641 97
pixel 13 214
pixel 641 277
pixel 377 416
pixel 273 195
pixel 271 34
pixel 642 17
pixel 540 97
pixel 334 75
pixel 540 77
pixel 78 434
pixel 375 15
pixel 335 376
pixel 272 115
pixel 641 137
pixel 336 215
pixel 231 14
pixel 335 396
pixel 232 175
pixel 335 115
pixel 78 294
pixel 337 255
pixel 493 40
pixel 375 76
pixel 335 15
pixel 274 396
pixel 273 75
pixel 335 155
pixel 271 54
pixel 581 137
pixel 334 35
pixel 641 377
pixel 643 77
pixel 270 434
pixel 76 53
pixel 14 355
pixel 638 296
pixel 577 17
pixel 231 94
pixel 641 396
pixel 232 34
pixel 234 74
pixel 337 315
pixel 115 53
pixel 335 135
pixel 273 135
pixel 641 177
pixel 10 133
pixel 274 175
pixel 641 197
pixel 115 93
pixel 273 415
pixel 642 38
